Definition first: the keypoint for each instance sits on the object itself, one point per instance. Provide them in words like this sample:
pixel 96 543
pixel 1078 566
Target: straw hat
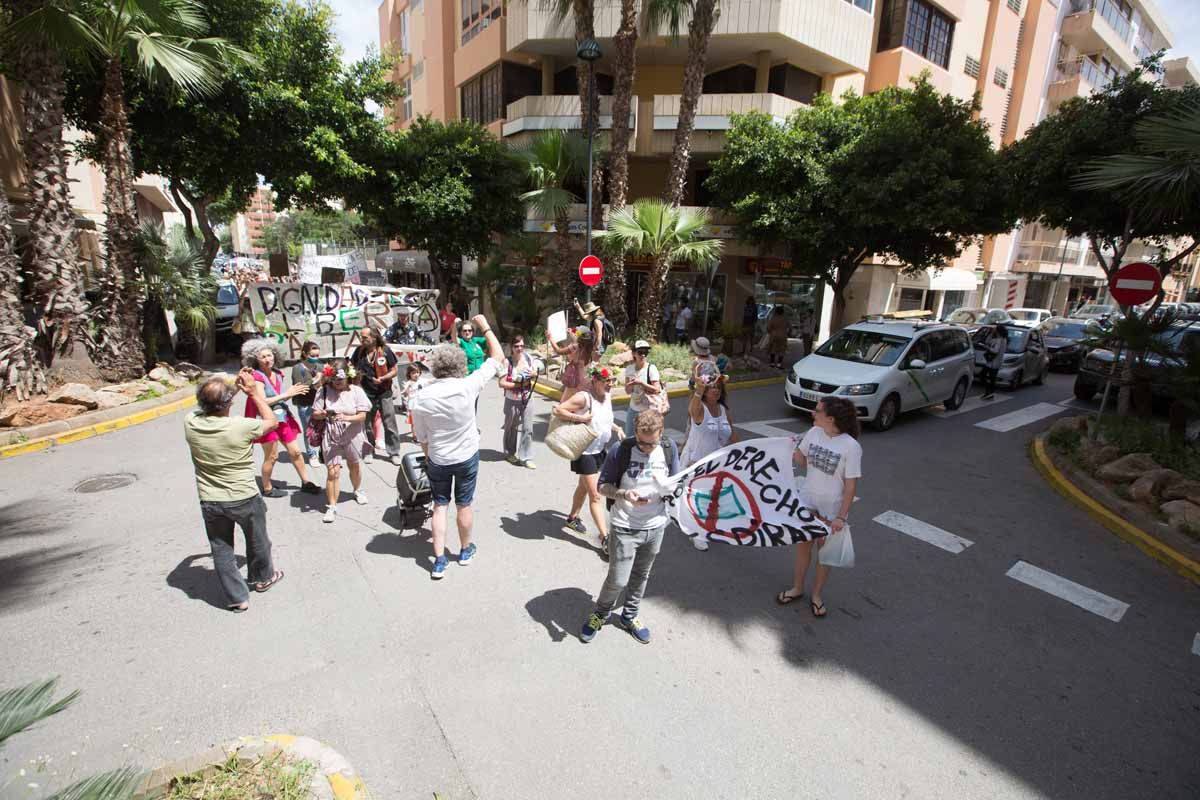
pixel 700 346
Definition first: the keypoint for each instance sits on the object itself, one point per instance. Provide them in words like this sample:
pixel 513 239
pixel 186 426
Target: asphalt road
pixel 935 674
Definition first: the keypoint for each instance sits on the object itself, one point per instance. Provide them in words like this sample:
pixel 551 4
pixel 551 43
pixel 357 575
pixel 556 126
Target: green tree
pixel 21 370
pixel 554 161
pixel 624 69
pixel 907 174
pixel 667 234
pixel 288 232
pixel 177 280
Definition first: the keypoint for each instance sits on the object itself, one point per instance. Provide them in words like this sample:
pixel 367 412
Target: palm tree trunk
pixel 123 353
pixel 20 370
pixel 625 62
pixel 564 269
pixel 705 14
pixel 650 315
pixel 589 102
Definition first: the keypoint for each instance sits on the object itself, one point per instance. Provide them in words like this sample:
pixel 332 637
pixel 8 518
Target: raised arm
pixel 696 404
pixel 254 390
pixel 571 408
pixel 494 350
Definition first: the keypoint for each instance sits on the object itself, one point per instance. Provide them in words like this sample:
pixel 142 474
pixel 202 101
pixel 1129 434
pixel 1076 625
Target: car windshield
pixel 865 347
pixel 1095 309
pixel 1066 330
pixel 1016 340
pixel 994 316
pixel 227 296
pixel 1024 315
pixel 965 316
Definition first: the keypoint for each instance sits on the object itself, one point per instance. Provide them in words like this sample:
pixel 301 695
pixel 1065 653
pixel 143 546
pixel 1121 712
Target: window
pixel 566 81
pixel 404 31
pixel 793 83
pixel 738 79
pixel 919 27
pixel 910 299
pixel 481 97
pixel 972 67
pixel 418 71
pixel 864 347
pixel 477 15
pixel 406 107
pixel 920 350
pixel 1014 6
pixel 1000 78
pixel 865 5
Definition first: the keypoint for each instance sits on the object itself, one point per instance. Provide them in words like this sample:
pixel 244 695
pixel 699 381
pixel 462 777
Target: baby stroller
pixel 413 495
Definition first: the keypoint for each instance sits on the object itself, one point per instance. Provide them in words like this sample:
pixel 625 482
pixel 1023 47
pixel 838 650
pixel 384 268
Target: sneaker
pixel 989 397
pixel 314 460
pixel 439 568
pixel 591 627
pixel 635 627
pixel 330 514
pixel 529 465
pixel 468 553
pixel 360 497
pixel 700 543
pixel 512 459
pixel 397 459
pixel 309 487
pixel 369 458
pixel 575 525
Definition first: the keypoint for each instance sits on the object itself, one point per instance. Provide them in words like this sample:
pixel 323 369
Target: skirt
pixel 285 432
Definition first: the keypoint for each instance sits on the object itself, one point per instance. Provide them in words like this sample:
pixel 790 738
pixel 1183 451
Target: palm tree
pixel 20 369
pixel 176 281
pixel 624 66
pixel 704 16
pixel 554 160
pixel 667 234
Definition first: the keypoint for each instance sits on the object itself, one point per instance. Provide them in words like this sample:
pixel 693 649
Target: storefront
pixel 774 285
pixel 699 289
pixel 938 294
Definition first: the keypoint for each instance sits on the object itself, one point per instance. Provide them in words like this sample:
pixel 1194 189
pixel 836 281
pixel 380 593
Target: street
pixel 936 674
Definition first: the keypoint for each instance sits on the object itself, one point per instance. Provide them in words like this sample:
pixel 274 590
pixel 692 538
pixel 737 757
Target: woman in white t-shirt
pixel 592 407
pixel 642 379
pixel 833 460
pixel 711 427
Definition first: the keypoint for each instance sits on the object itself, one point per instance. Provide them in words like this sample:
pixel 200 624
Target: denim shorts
pixel 460 476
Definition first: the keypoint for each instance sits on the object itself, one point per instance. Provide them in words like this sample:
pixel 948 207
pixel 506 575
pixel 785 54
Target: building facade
pixel 247 226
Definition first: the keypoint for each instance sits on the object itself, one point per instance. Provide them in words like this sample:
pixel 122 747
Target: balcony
pixel 712 119
pixel 555 112
pixel 1096 26
pixel 1077 78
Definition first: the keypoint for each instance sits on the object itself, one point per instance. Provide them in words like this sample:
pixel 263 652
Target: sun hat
pixel 589 308
pixel 641 344
pixel 700 346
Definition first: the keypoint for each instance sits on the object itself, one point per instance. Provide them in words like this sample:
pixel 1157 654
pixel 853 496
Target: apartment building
pixel 247 226
pixel 511 67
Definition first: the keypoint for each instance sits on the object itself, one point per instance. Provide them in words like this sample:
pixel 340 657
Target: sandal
pixel 783 598
pixel 818 609
pixel 265 585
pixel 239 608
pixel 604 548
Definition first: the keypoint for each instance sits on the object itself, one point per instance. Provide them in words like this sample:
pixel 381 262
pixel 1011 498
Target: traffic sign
pixel 590 270
pixel 1135 284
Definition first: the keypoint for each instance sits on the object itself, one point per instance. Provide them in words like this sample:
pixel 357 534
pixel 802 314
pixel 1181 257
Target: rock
pixel 753 364
pixel 75 394
pixel 111 400
pixel 1097 455
pixel 1127 468
pixel 1070 424
pixel 1180 513
pixel 165 375
pixel 39 413
pixel 8 413
pixel 1178 488
pixel 621 359
pixel 131 390
pixel 1146 488
pixel 617 347
pixel 188 370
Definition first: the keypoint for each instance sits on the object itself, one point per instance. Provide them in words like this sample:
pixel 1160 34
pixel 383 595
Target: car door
pixel 941 366
pixel 915 384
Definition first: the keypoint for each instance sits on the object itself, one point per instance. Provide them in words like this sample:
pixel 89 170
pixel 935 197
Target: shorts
pixel 285 432
pixel 460 476
pixel 588 463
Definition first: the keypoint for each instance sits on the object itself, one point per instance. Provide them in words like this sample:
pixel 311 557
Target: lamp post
pixel 589 51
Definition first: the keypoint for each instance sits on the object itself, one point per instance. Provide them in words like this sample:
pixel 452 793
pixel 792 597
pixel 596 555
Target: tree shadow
pixel 560 611
pixel 25 576
pixel 15 523
pixel 542 525
pixel 200 583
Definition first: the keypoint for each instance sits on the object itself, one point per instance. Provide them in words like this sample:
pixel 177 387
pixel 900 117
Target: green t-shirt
pixel 474 350
pixel 223 454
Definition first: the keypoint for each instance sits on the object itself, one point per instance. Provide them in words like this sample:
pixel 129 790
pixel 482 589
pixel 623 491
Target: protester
pixel 444 423
pixel 404 330
pixel 832 457
pixel 594 322
pixel 412 382
pixel 594 409
pixel 344 407
pixel 307 372
pixel 777 337
pixel 517 375
pixel 472 346
pixel 993 358
pixel 222 449
pixel 749 320
pixel 683 322
pixel 377 366
pixel 633 476
pixel 642 380
pixel 703 361
pixel 711 427
pixel 262 355
pixel 449 318
pixel 580 353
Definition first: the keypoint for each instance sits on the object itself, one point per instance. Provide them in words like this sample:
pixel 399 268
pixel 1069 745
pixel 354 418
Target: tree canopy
pixel 288 231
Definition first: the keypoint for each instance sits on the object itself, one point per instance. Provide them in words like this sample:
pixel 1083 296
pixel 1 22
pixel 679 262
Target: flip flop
pixel 783 598
pixel 265 585
pixel 239 609
pixel 817 607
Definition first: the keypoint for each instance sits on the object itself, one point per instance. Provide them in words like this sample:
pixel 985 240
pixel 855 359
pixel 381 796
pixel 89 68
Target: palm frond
pixel 1171 133
pixel 119 784
pixel 192 71
pixel 28 705
pixel 550 201
pixel 700 253
pixel 172 17
pixel 1160 184
pixel 665 15
pixel 53 26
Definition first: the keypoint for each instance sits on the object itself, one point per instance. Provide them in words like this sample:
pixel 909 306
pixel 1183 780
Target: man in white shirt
pixel 683 322
pixel 444 423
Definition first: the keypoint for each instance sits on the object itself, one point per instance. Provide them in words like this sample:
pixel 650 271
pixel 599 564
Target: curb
pixel 550 391
pixel 1148 544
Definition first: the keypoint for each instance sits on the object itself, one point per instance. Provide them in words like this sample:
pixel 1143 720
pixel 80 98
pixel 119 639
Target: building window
pixel 1000 78
pixel 406 105
pixel 404 31
pixel 418 71
pixel 482 98
pixel 1014 6
pixel 917 26
pixel 738 79
pixel 972 67
pixel 865 5
pixel 794 83
pixel 477 15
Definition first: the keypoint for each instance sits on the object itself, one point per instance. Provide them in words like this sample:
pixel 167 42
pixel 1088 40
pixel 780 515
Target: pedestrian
pixel 404 330
pixel 808 328
pixel 703 361
pixel 444 424
pixel 634 473
pixel 777 337
pixel 710 428
pixel 580 353
pixel 642 380
pixel 832 458
pixel 594 323
pixel 472 345
pixel 683 322
pixel 593 408
pixel 993 357
pixel 343 406
pixel 516 379
pixel 222 449
pixel 668 322
pixel 412 382
pixel 262 355
pixel 449 318
pixel 377 366
pixel 307 372
pixel 749 320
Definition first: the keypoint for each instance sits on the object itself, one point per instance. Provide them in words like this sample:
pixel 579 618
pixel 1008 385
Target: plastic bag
pixel 837 550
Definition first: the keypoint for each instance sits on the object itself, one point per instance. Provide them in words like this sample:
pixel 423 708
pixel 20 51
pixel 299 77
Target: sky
pixel 1183 18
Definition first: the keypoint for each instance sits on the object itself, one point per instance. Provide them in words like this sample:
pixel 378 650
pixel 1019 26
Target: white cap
pixel 641 344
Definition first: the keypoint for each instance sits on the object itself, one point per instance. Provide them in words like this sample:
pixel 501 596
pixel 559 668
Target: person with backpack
pixel 516 379
pixel 307 372
pixel 635 477
pixel 642 383
pixel 592 407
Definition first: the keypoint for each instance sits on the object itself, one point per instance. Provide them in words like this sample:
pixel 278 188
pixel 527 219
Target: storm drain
pixel 104 483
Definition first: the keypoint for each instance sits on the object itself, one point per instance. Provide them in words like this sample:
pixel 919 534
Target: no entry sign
pixel 1135 284
pixel 590 270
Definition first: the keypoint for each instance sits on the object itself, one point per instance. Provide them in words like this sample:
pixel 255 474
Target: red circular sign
pixel 590 270
pixel 1135 284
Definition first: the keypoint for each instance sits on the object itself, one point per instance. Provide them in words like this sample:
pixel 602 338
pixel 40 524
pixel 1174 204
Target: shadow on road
pixel 543 525
pixel 413 546
pixel 490 456
pixel 560 611
pixel 200 583
pixel 35 575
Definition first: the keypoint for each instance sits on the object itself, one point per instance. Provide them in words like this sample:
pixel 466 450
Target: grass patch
pixel 1134 435
pixel 273 777
pixel 150 394
pixel 1066 441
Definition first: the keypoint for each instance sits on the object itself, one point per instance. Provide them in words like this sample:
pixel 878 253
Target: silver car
pixel 1025 356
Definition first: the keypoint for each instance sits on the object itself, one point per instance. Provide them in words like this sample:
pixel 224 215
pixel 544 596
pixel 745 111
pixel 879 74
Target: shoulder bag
pixel 314 431
pixel 658 402
pixel 569 439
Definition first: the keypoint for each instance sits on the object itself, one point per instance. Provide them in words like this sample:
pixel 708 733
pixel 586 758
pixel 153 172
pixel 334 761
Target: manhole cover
pixel 103 483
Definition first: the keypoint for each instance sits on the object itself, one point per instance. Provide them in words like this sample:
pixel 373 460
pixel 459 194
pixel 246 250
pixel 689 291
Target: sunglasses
pixel 646 447
pixel 642 352
pixel 518 347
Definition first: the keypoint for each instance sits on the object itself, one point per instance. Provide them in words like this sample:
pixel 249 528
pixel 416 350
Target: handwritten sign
pixel 745 494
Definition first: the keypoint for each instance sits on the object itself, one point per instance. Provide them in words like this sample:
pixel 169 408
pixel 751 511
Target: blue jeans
pixel 305 414
pixel 631 421
pixel 460 477
pixel 630 556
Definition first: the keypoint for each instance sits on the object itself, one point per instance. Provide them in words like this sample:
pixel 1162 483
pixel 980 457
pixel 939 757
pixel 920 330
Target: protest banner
pixel 332 314
pixel 744 494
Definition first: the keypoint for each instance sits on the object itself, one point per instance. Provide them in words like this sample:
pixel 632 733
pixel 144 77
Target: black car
pixel 1066 341
pixel 1097 364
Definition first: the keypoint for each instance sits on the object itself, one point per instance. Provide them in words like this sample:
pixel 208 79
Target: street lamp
pixel 589 51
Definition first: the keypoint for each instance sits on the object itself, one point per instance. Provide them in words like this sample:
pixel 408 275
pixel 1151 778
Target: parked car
pixel 1030 317
pixel 974 318
pixel 1066 341
pixel 1096 311
pixel 885 368
pixel 1025 357
pixel 1097 365
pixel 227 303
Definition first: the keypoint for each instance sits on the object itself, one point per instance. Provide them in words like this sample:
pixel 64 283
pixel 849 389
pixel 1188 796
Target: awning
pixel 154 193
pixel 415 261
pixel 948 280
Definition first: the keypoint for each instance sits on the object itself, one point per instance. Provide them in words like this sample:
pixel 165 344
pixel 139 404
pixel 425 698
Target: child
pixel 412 380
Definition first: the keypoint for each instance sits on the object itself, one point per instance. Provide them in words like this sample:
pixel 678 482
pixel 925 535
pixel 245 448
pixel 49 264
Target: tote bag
pixel 659 402
pixel 569 439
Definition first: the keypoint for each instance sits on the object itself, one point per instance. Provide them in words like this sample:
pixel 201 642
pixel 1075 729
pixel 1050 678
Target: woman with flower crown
pixel 343 407
pixel 592 407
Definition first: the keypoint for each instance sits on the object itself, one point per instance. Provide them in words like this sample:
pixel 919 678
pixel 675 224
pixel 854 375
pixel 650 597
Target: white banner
pixel 745 494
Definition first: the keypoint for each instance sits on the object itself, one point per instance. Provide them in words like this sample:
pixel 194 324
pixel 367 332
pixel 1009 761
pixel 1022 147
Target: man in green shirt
pixel 223 455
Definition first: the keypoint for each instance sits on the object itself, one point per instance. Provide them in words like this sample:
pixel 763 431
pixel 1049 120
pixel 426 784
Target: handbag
pixel 314 431
pixel 659 402
pixel 569 439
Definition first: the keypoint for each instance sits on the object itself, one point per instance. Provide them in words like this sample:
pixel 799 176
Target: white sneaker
pixel 360 497
pixel 397 459
pixel 330 514
pixel 314 461
pixel 699 543
pixel 369 458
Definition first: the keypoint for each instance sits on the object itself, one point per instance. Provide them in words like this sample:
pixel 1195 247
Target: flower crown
pixel 351 373
pixel 596 371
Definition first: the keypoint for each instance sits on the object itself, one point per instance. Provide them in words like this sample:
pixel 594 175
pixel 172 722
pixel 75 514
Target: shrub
pixel 1066 441
pixel 674 356
pixel 1138 435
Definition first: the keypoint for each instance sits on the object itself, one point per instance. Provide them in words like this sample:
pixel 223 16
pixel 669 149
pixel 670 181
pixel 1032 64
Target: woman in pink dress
pixel 344 406
pixel 262 356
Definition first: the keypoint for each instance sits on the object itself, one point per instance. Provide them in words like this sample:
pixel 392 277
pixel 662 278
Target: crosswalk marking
pixel 767 429
pixel 930 534
pixel 1074 593
pixel 973 403
pixel 1075 402
pixel 1016 419
pixel 1196 645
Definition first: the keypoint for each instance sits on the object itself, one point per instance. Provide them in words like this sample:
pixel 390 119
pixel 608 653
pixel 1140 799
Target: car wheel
pixel 888 411
pixel 1085 392
pixel 960 393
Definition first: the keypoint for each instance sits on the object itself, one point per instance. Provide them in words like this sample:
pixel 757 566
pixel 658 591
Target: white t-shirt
pixel 684 319
pixel 645 475
pixel 831 460
pixel 601 424
pixel 638 400
pixel 443 415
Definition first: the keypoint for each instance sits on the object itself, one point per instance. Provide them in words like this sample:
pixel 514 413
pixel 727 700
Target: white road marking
pixel 1196 645
pixel 1075 402
pixel 950 542
pixel 766 429
pixel 1016 419
pixel 973 403
pixel 1074 593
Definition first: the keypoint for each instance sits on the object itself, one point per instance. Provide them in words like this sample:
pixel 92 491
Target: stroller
pixel 413 495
